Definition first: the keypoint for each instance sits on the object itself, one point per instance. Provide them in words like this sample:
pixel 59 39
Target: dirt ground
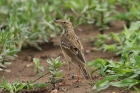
pixel 22 68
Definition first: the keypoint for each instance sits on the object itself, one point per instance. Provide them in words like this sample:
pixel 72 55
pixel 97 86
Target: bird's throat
pixel 67 30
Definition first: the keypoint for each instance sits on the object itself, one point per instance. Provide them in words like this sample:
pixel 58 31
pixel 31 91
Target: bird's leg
pixel 78 76
pixel 67 74
pixel 69 68
pixel 79 73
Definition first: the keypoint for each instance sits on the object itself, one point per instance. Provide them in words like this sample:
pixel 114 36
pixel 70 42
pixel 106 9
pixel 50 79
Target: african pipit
pixel 71 46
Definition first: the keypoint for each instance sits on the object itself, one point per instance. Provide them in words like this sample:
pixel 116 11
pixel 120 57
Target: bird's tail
pixel 85 73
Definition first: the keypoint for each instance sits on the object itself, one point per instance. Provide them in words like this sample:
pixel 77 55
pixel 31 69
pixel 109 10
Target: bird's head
pixel 66 24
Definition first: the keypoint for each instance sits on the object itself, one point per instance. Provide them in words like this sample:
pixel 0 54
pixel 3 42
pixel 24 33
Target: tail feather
pixel 85 73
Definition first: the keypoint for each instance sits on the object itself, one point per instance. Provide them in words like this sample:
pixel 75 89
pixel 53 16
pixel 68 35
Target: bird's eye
pixel 64 22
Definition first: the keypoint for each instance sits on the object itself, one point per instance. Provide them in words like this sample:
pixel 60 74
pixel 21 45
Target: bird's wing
pixel 73 49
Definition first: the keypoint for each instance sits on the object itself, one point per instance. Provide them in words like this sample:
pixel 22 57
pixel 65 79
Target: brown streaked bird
pixel 71 47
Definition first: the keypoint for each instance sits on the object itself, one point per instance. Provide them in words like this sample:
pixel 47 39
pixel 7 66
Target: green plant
pixel 30 23
pixel 17 86
pixel 102 13
pixel 126 72
pixel 92 11
pixel 25 24
pixel 11 87
pixel 118 74
pixel 124 42
pixel 8 48
pixel 37 65
pixel 100 39
pixel 56 74
pixel 54 66
pixel 131 13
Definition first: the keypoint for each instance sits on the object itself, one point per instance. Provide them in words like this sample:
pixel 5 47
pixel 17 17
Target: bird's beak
pixel 57 21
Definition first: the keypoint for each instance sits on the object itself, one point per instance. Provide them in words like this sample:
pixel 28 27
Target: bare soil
pixel 22 68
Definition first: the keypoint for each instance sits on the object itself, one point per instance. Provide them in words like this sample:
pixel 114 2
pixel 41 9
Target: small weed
pixel 38 67
pixel 17 86
pixel 8 48
pixel 11 87
pixel 131 14
pixel 54 65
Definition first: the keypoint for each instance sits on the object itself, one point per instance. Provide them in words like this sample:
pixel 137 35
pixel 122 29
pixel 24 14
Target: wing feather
pixel 74 52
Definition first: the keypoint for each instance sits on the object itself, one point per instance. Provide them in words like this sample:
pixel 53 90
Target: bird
pixel 72 48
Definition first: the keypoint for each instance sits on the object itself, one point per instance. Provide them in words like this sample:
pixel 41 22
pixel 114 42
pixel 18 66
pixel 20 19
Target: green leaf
pixel 125 83
pixel 116 37
pixel 49 61
pixel 109 47
pixel 36 61
pixel 22 85
pixel 105 83
pixel 40 85
pixel 57 65
pixel 58 74
pixel 97 62
pixel 134 26
pixel 137 90
pixel 137 59
pixel 8 86
pixel 41 68
pixel 4 80
pixel 101 86
pixel 136 73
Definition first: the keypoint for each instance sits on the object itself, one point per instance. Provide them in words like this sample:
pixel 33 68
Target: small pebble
pixel 54 91
pixel 94 49
pixel 7 70
pixel 29 65
pixel 87 51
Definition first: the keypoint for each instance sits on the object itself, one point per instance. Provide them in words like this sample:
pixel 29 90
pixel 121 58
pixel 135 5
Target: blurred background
pixel 30 22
